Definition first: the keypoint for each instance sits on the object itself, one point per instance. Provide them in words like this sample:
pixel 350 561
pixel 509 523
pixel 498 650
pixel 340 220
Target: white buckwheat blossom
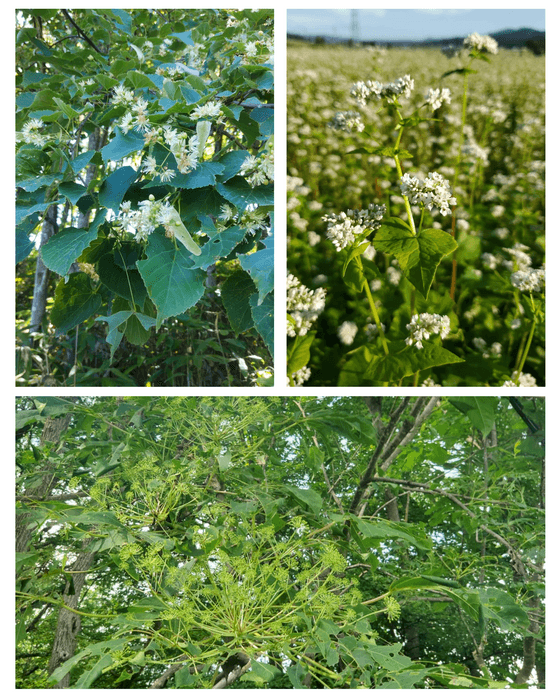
pixel 482 43
pixel 436 98
pixel 521 379
pixel 528 279
pixel 363 91
pixel 347 332
pixel 422 326
pixel 343 228
pixel 347 121
pixel 434 191
pixel 300 377
pixel 303 305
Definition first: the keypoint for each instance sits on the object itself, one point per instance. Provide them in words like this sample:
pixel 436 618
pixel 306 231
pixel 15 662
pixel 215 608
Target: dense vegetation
pixel 144 197
pixel 366 158
pixel 280 542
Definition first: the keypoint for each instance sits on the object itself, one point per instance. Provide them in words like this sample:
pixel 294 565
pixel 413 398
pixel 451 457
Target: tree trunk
pixel 69 624
pixel 42 273
pixel 52 432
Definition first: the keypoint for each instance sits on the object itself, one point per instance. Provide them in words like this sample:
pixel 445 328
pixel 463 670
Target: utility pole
pixel 355 27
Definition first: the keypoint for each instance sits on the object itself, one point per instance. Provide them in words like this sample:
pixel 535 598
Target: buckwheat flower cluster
pixel 364 91
pixel 484 44
pixel 303 305
pixel 528 279
pixel 436 98
pixel 301 376
pixel 434 191
pixel 347 332
pixel 347 121
pixel 343 228
pixel 521 379
pixel 422 326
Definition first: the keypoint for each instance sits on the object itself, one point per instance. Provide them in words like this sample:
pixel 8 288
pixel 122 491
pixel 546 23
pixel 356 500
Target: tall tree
pixel 245 542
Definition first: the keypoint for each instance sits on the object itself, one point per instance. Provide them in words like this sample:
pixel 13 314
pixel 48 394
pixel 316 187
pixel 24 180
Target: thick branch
pixel 80 31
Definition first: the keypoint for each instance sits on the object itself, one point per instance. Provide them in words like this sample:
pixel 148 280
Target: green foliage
pixel 222 527
pixel 145 131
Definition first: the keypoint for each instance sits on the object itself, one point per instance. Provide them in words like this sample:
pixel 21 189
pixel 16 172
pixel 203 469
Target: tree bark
pixel 52 432
pixel 69 623
pixel 42 273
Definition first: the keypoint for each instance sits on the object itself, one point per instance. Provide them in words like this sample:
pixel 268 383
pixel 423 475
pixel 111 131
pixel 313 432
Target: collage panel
pixel 145 197
pixel 415 196
pixel 280 542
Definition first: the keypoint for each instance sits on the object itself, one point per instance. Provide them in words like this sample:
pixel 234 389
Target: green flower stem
pixel 374 310
pixel 455 179
pixel 519 369
pixel 400 173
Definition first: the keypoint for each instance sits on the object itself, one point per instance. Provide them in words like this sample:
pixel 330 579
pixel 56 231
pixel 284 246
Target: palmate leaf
pixel 173 285
pixel 418 256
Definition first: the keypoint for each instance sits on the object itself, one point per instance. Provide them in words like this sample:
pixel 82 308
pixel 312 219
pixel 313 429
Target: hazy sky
pixel 384 25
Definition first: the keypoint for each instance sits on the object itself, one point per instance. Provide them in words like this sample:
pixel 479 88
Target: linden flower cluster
pixel 258 170
pixel 210 110
pixel 184 149
pixel 343 228
pixel 30 133
pixel 143 221
pixel 484 44
pixel 363 91
pixel 252 220
pixel 303 305
pixel 434 191
pixel 422 326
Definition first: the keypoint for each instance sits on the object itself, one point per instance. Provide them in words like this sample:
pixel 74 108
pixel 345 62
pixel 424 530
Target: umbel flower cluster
pixel 343 228
pixel 303 305
pixel 434 191
pixel 422 326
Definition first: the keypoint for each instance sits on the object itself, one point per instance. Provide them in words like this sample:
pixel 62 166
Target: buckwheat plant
pixel 304 307
pixel 417 249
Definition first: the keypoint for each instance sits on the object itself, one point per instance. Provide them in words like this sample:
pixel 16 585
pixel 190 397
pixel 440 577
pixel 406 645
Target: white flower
pixel 301 376
pixel 347 121
pixel 343 228
pixel 363 91
pixel 484 44
pixel 422 326
pixel 438 97
pixel 210 110
pixel 303 305
pixel 528 279
pixel 521 379
pixel 434 191
pixel 347 332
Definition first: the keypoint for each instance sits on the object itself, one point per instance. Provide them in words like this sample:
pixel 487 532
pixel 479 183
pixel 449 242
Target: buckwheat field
pixel 415 216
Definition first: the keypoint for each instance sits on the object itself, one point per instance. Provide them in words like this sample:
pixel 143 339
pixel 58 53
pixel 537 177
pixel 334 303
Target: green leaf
pixel 79 162
pixel 405 360
pixel 382 529
pixel 260 673
pixel 65 247
pixel 72 191
pixel 352 270
pixel 263 316
pixel 418 256
pixel 25 210
pixel 236 291
pixel 232 162
pixel 122 145
pixel 481 411
pixel 114 187
pixel 240 193
pixel 260 266
pixel 169 278
pixel 74 302
pixel 204 175
pixel 24 245
pixel 219 246
pixel 308 497
pixel 299 352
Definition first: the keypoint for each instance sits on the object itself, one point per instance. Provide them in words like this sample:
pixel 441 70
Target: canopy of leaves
pixel 280 542
pixel 133 124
